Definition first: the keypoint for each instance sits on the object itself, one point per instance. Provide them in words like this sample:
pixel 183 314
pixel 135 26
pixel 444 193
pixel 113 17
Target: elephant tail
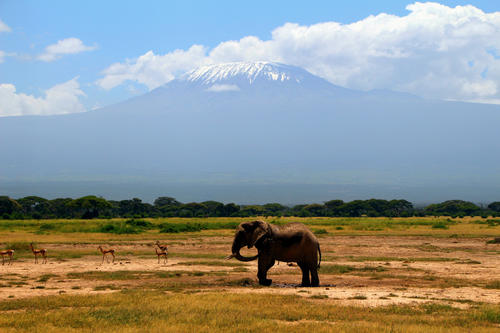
pixel 319 263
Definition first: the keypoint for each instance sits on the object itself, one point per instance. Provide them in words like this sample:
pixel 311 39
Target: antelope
pixel 106 251
pixel 9 253
pixel 163 253
pixel 42 252
pixel 162 247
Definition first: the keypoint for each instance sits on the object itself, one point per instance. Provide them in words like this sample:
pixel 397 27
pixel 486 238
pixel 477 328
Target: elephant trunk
pixel 236 252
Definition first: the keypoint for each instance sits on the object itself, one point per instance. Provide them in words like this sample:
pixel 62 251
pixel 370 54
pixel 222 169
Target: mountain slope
pixel 263 123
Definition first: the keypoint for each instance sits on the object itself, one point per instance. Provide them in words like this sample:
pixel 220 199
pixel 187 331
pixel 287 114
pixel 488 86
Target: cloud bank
pixel 60 99
pixel 4 27
pixel 65 46
pixel 435 51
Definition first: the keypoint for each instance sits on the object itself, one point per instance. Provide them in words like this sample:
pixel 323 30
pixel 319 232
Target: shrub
pixel 439 225
pixel 139 224
pixel 180 227
pixel 47 226
pixel 118 228
pixel 168 227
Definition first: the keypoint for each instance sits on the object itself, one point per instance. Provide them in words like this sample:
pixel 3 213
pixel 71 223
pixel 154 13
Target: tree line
pixel 89 207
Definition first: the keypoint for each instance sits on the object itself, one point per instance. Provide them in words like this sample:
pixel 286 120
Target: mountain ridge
pixel 267 131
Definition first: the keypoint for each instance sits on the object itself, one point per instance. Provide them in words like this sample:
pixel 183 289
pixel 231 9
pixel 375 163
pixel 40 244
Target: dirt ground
pixel 380 270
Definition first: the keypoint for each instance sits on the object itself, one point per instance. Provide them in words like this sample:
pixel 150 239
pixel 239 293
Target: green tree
pixel 354 208
pixel 166 201
pixel 35 207
pixel 251 210
pixel 315 209
pixel 60 208
pixel 89 207
pixel 134 208
pixel 494 206
pixel 231 209
pixel 9 206
pixel 214 208
pixel 453 208
pixel 399 208
pixel 332 207
pixel 274 209
pixel 195 209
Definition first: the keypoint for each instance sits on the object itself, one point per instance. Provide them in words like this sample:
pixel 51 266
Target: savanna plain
pixel 420 274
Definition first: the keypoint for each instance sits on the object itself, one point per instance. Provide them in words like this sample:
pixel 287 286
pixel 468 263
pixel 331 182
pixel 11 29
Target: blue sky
pixel 95 35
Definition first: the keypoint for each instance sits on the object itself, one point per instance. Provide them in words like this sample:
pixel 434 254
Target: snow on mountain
pixel 250 71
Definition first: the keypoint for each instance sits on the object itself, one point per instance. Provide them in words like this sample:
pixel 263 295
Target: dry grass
pixel 378 274
pixel 228 312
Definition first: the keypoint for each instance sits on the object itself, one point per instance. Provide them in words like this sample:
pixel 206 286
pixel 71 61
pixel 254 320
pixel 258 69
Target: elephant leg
pixel 314 277
pixel 264 265
pixel 305 275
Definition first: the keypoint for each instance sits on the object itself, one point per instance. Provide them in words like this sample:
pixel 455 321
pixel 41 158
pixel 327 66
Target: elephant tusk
pixel 229 257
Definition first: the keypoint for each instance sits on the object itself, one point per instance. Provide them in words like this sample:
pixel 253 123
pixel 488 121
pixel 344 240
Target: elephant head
pixel 248 233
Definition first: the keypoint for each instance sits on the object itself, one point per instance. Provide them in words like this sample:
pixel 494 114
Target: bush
pixel 47 226
pixel 168 227
pixel 439 225
pixel 139 224
pixel 179 227
pixel 118 228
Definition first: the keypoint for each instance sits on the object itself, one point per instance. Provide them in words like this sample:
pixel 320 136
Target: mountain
pixel 243 125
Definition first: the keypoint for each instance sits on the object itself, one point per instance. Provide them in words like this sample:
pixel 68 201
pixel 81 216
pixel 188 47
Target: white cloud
pixel 60 99
pixel 3 55
pixel 154 70
pixel 4 27
pixel 223 87
pixel 65 46
pixel 428 52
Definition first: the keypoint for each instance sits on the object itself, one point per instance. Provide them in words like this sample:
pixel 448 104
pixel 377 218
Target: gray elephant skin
pixel 292 242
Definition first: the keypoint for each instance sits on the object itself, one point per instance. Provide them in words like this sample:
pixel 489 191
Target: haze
pixel 273 103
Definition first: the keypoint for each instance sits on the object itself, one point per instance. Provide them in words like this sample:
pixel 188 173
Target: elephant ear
pixel 260 230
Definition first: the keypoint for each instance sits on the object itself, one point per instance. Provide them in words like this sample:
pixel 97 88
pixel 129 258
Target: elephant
pixel 292 242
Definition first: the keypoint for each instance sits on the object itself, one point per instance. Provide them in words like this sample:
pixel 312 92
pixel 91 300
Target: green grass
pixel 228 312
pixel 211 263
pixel 106 287
pixel 113 275
pixel 343 269
pixel 196 301
pixel 405 259
pixel 336 269
pixel 360 297
pixel 493 285
pixel 441 226
pixel 46 277
pixel 169 227
pixel 133 275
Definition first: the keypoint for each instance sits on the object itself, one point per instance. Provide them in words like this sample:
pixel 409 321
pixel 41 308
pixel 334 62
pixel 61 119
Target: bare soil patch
pixel 379 270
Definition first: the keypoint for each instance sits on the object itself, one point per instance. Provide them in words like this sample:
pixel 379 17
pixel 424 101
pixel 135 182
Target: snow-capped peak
pixel 250 71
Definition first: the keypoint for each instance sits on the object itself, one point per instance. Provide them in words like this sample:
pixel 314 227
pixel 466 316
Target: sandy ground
pixel 403 281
